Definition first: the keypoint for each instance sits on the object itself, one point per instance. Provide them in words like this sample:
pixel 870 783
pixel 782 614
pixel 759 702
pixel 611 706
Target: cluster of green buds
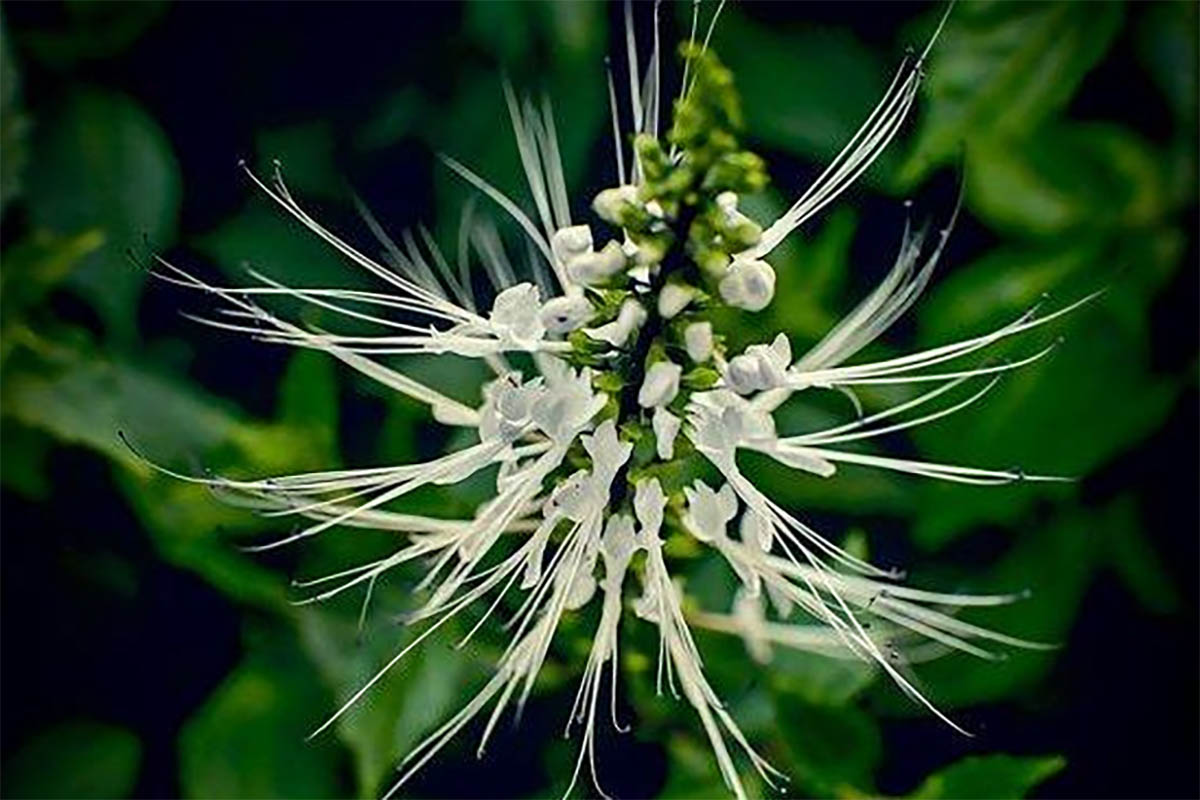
pixel 651 294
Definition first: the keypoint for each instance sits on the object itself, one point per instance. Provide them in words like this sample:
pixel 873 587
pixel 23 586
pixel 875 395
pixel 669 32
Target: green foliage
pixel 80 758
pixel 786 77
pixel 91 31
pixel 995 777
pixel 242 743
pixel 411 698
pixel 1000 70
pixel 14 125
pixel 834 750
pixel 102 163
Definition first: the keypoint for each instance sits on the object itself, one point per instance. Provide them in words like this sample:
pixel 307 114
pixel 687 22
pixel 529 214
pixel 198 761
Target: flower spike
pixel 613 380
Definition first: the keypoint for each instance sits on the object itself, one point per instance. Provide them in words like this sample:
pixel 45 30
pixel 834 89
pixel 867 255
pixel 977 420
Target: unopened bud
pixel 698 338
pixel 673 298
pixel 591 268
pixel 661 384
pixel 748 284
pixel 612 205
pixel 567 243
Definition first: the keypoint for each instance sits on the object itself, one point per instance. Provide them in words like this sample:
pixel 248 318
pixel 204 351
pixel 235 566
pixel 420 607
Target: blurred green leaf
pixel 834 751
pixel 248 740
pixel 14 125
pixel 265 238
pixel 82 397
pixel 411 697
pixel 993 777
pixel 33 267
pixel 1055 561
pixel 91 31
pixel 1130 554
pixel 692 771
pixel 308 399
pixel 76 759
pixel 1067 176
pixel 509 30
pixel 817 679
pixel 784 79
pixel 397 116
pixel 100 162
pixel 1166 43
pixel 1096 391
pixel 503 27
pixel 1000 69
pixel 305 153
pixel 23 468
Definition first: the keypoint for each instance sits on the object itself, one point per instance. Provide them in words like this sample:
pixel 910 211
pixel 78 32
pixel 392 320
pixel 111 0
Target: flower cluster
pixel 625 386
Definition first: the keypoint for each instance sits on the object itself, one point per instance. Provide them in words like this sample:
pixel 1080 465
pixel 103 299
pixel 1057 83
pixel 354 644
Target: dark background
pixel 116 635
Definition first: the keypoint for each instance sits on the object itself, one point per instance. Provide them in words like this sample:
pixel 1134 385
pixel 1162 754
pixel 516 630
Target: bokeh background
pixel 145 655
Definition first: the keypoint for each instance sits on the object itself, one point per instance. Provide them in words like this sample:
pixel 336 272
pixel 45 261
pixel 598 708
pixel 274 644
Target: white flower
pixel 618 546
pixel 516 315
pixel 660 385
pixel 559 422
pixel 761 367
pixel 748 284
pixel 567 313
pixel 567 407
pixel 708 512
pixel 593 268
pixel 508 408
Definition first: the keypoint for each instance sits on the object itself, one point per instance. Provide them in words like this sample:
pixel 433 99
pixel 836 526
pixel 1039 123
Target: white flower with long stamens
pixel 623 347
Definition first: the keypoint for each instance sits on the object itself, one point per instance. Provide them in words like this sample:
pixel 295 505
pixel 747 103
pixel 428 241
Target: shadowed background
pixel 145 655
